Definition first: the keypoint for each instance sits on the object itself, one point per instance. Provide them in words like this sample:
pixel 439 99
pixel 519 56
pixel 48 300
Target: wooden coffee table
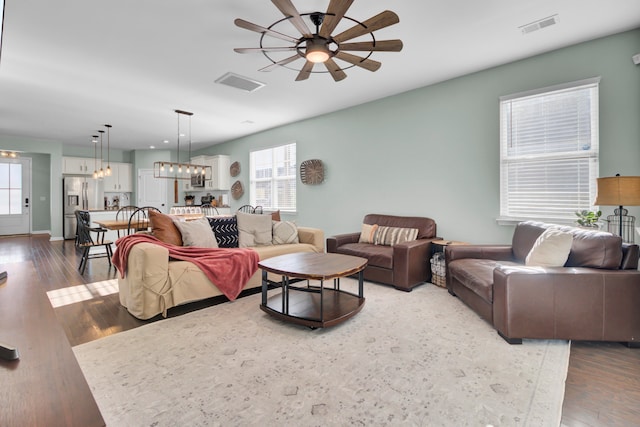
pixel 315 306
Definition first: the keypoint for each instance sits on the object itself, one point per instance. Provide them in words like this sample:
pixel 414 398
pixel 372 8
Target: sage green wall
pixel 40 192
pixel 434 151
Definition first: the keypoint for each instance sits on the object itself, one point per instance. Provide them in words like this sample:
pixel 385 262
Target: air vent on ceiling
pixel 539 24
pixel 240 82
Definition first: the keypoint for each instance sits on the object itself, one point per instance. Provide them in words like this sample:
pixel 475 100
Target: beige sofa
pixel 153 284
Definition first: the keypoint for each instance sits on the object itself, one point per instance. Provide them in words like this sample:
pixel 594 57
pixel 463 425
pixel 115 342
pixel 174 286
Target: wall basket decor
pixel 236 190
pixel 312 172
pixel 234 169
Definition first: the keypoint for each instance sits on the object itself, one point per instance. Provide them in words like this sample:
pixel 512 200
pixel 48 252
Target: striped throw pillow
pixel 390 236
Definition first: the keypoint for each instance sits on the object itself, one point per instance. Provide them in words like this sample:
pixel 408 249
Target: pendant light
pixel 95 156
pixel 101 171
pixel 108 171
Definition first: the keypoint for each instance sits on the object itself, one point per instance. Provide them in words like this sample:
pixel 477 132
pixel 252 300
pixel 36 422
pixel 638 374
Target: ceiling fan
pixel 320 46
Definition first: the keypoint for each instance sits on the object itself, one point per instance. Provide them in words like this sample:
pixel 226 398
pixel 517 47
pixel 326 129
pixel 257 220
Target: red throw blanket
pixel 228 269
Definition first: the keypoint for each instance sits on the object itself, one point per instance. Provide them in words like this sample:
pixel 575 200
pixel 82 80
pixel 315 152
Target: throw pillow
pixel 390 236
pixel 225 229
pixel 275 216
pixel 284 232
pixel 551 249
pixel 197 232
pixel 164 229
pixel 254 230
pixel 368 233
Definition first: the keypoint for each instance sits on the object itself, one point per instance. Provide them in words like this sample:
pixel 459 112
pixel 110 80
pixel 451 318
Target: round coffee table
pixel 315 306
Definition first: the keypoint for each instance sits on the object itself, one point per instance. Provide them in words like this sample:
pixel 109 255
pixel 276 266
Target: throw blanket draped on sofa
pixel 228 269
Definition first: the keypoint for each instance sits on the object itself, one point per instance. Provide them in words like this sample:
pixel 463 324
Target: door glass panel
pixel 15 201
pixel 15 180
pixel 4 177
pixel 4 201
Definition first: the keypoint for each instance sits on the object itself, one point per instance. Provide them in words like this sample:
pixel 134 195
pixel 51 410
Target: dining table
pixel 120 224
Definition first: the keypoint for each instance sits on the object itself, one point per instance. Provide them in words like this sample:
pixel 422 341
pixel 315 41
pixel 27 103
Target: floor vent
pixel 240 82
pixel 540 24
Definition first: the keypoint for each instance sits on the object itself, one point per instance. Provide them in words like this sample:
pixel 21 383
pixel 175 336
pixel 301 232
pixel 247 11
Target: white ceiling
pixel 69 66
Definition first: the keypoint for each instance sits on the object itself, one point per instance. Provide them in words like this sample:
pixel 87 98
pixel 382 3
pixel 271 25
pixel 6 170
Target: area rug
pixel 420 359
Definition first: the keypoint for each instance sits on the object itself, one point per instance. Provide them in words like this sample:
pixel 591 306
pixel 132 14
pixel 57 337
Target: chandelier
pixel 181 170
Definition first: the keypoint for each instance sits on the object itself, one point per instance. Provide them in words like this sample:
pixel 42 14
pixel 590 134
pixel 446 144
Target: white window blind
pixel 549 152
pixel 273 178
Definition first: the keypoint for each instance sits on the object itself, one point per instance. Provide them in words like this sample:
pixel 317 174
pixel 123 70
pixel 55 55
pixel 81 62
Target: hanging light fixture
pixel 108 170
pixel 179 170
pixel 95 156
pixel 101 171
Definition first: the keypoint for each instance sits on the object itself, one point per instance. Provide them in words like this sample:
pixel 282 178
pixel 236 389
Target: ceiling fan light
pixel 317 53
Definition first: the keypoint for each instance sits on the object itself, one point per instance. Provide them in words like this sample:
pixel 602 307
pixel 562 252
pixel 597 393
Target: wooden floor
pixel 602 387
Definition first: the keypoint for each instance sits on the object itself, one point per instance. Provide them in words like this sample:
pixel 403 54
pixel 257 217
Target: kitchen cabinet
pixel 220 179
pixel 77 165
pixel 120 178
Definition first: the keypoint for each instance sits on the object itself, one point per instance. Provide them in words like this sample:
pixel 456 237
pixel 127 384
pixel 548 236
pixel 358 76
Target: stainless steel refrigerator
pixel 80 193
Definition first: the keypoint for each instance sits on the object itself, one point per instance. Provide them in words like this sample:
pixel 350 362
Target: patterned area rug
pixel 421 358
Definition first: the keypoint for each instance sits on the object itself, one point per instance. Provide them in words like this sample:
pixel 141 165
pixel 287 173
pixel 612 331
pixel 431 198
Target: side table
pixel 438 263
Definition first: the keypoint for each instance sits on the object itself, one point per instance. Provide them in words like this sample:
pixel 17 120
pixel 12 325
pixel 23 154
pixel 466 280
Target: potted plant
pixel 588 219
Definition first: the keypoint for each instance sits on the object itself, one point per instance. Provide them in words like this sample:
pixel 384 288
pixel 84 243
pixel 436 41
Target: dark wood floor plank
pixel 603 381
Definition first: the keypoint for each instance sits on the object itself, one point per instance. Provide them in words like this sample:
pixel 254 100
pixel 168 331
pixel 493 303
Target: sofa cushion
pixel 284 232
pixel 590 248
pixel 225 229
pixel 368 233
pixel 254 230
pixel 164 229
pixel 474 274
pixel 379 256
pixel 196 232
pixel 426 226
pixel 390 236
pixel 551 249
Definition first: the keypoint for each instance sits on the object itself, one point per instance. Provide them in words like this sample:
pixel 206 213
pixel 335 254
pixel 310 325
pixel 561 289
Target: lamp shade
pixel 618 191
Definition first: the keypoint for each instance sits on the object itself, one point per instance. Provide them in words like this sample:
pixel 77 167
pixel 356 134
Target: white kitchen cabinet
pixel 220 179
pixel 120 178
pixel 78 165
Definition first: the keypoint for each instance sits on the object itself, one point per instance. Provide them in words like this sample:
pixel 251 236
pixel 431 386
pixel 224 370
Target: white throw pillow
pixel 196 232
pixel 254 230
pixel 284 232
pixel 551 249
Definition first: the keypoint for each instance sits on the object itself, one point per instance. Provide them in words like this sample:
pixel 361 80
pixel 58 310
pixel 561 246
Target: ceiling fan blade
pixel 335 71
pixel 305 72
pixel 289 10
pixel 380 46
pixel 263 49
pixel 381 20
pixel 279 63
pixel 335 12
pixel 367 64
pixel 258 29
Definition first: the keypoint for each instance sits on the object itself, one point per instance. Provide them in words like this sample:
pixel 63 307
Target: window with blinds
pixel 549 152
pixel 273 178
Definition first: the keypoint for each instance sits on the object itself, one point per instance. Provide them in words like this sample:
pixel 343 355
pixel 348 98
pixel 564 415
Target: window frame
pixel 274 179
pixel 507 216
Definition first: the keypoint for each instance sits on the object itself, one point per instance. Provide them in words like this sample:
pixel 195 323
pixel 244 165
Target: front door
pixel 152 191
pixel 15 196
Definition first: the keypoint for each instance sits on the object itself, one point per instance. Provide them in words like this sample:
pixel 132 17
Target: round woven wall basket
pixel 312 172
pixel 236 190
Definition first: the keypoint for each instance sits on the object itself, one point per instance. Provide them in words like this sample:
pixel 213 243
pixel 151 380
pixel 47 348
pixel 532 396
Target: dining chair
pixel 246 209
pixel 86 242
pixel 209 210
pixel 257 210
pixel 123 214
pixel 139 219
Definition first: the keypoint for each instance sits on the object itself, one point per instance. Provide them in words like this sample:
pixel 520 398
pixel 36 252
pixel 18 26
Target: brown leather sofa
pixel 595 296
pixel 404 265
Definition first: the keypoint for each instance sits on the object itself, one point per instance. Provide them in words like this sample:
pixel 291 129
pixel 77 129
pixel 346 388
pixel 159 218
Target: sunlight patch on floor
pixel 73 294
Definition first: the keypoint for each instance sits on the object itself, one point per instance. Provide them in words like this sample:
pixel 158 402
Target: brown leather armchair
pixel 404 265
pixel 595 296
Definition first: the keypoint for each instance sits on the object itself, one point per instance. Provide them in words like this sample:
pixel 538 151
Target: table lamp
pixel 618 191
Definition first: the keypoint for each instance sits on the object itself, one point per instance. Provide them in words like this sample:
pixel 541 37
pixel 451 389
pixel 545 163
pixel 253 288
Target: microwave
pixel 197 180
